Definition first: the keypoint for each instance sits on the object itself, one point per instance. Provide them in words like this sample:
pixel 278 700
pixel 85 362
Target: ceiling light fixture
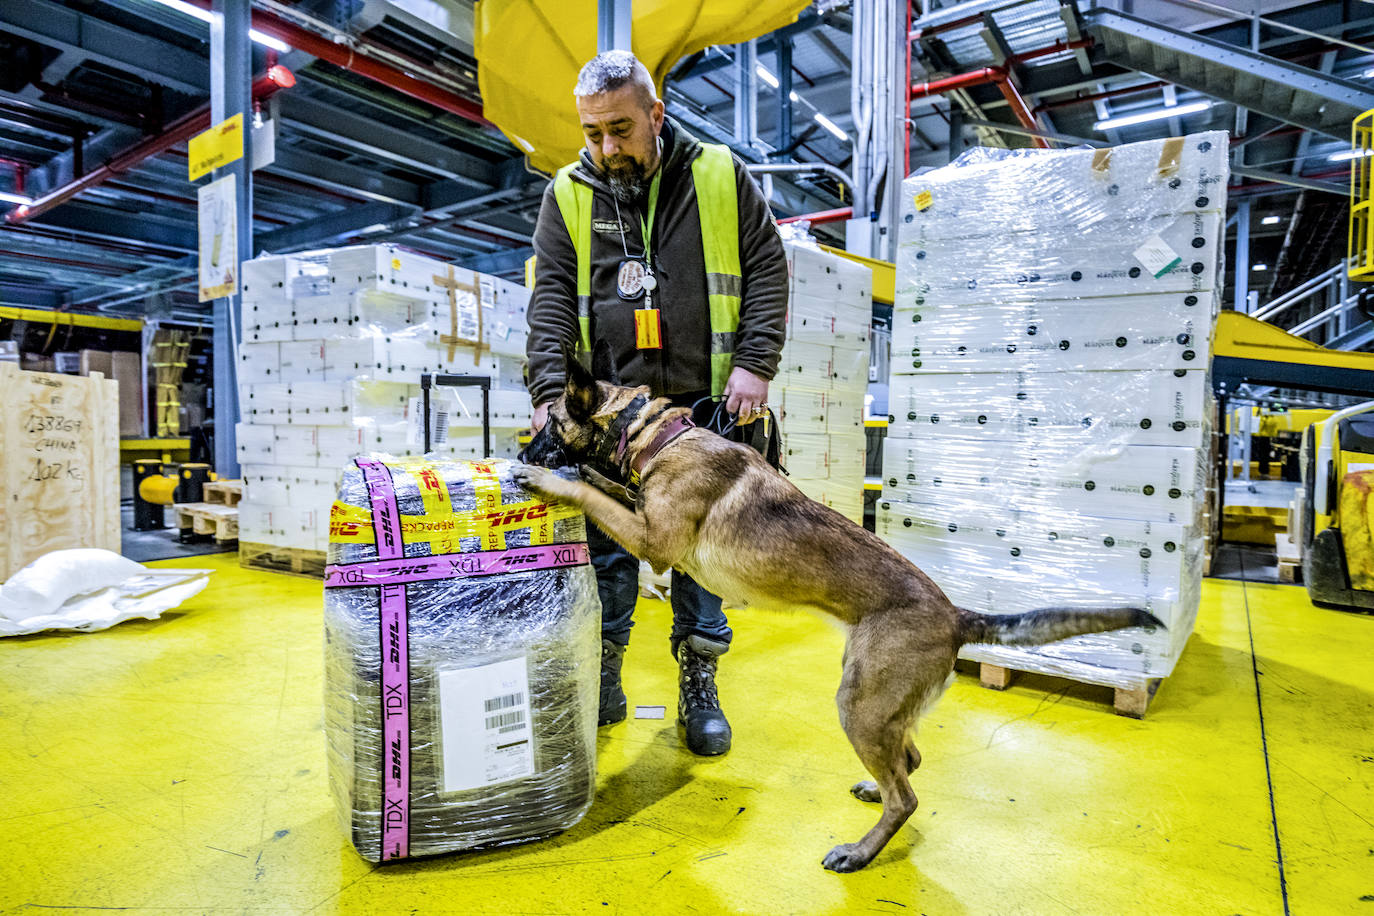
pixel 1347 154
pixel 15 198
pixel 831 126
pixel 181 6
pixel 1269 220
pixel 1259 267
pixel 763 73
pixel 1159 114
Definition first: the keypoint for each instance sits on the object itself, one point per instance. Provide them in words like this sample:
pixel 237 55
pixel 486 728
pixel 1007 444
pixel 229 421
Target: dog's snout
pixel 544 450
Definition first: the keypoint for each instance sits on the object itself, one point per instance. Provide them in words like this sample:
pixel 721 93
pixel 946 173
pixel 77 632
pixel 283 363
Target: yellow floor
pixel 178 765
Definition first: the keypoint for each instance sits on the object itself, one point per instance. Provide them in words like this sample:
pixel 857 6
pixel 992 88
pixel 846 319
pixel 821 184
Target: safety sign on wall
pixel 219 239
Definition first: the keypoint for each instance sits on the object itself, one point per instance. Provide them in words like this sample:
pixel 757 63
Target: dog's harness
pixel 619 433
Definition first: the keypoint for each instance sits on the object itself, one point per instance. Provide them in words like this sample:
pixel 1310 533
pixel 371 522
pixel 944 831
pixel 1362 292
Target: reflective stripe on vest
pixel 575 203
pixel 713 177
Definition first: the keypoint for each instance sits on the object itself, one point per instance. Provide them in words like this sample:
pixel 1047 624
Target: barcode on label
pixel 505 702
pixel 502 720
pixel 440 432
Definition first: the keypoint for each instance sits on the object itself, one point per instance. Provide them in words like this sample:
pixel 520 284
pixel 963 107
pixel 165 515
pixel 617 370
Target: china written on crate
pixel 1051 407
pixel 334 344
pixel 818 392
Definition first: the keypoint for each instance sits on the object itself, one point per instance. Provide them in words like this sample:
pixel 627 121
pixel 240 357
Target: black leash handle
pixel 428 380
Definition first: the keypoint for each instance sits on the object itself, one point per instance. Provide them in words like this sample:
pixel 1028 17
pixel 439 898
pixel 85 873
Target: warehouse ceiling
pixel 84 81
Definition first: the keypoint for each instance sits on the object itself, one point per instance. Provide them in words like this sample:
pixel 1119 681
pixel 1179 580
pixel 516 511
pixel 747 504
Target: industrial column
pixel 613 25
pixel 231 79
pixel 1241 286
pixel 783 43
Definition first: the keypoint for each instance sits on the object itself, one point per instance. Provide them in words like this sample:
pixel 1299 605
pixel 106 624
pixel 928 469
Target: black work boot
pixel 704 728
pixel 612 707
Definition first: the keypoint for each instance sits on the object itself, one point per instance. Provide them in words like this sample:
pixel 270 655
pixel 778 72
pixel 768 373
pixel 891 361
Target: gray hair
pixel 610 70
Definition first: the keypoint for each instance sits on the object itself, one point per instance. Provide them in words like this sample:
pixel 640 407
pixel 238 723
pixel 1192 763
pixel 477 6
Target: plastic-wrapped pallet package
pixel 818 392
pixel 334 345
pixel 461 659
pixel 1050 400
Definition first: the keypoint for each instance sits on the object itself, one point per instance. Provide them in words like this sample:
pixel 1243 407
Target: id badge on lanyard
pixel 635 279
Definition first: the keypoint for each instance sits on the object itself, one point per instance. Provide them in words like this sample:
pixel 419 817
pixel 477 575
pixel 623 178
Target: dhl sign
pixel 353 524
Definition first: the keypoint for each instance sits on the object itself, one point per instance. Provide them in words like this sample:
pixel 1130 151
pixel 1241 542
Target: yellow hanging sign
pixel 218 146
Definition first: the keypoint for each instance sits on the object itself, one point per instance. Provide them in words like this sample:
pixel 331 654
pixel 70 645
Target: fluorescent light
pixel 15 198
pixel 831 126
pixel 1344 155
pixel 1159 114
pixel 762 72
pixel 267 41
pixel 1269 221
pixel 1368 73
pixel 181 6
pixel 1259 266
pixel 794 97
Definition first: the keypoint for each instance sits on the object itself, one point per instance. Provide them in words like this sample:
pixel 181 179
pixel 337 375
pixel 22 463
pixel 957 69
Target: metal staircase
pixel 1276 88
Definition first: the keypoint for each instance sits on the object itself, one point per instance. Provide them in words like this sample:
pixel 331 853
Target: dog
pixel 715 510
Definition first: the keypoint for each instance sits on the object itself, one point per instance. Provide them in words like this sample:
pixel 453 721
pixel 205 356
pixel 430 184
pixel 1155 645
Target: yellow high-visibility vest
pixel 713 176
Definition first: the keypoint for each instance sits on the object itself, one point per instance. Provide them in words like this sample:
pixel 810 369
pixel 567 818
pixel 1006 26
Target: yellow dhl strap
pixel 350 524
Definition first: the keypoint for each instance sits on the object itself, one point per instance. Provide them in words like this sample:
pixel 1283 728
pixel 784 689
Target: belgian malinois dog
pixel 716 511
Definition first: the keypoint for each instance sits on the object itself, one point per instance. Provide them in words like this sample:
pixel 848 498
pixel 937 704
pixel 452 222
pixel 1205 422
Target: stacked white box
pixel 334 344
pixel 1050 400
pixel 818 392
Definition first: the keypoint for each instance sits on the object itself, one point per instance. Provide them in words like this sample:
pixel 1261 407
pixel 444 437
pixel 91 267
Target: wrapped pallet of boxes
pixel 818 392
pixel 334 346
pixel 462 632
pixel 1050 397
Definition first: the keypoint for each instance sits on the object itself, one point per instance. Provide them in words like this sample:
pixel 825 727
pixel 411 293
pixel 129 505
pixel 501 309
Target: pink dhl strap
pixel 456 565
pixel 394 628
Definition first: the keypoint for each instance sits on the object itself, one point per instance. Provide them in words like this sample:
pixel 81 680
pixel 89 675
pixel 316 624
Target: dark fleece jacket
pixel 683 365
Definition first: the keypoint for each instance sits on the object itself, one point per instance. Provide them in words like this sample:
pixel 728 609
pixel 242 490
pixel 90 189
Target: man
pixel 663 250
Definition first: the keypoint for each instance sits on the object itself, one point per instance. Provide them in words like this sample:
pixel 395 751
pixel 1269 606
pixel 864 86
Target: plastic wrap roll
pixel 462 659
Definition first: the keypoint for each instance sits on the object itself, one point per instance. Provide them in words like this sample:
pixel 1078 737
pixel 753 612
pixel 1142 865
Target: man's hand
pixel 541 416
pixel 746 395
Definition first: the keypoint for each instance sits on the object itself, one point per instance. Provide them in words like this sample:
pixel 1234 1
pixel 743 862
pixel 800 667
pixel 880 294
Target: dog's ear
pixel 603 363
pixel 580 391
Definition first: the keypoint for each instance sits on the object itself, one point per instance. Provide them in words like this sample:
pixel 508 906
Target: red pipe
pixel 179 131
pixel 360 63
pixel 978 77
pixel 824 216
pixel 1019 108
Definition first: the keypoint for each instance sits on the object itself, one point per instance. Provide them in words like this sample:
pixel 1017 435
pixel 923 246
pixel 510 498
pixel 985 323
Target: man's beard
pixel 629 180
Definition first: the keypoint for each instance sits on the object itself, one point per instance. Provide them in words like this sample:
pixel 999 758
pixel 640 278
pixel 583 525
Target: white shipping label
pixel 1156 256
pixel 438 423
pixel 485 730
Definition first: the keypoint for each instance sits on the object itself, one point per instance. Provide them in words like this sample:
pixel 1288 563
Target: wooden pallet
pixel 1132 703
pixel 294 560
pixel 217 520
pixel 223 492
pixel 1290 557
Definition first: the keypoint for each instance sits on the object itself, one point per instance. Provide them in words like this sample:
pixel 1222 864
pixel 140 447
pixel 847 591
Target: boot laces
pixel 698 682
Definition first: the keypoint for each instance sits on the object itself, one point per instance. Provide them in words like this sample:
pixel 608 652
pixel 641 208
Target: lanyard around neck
pixel 645 229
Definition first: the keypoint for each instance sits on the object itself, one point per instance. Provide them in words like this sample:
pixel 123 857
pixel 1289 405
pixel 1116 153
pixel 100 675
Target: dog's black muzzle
pixel 545 450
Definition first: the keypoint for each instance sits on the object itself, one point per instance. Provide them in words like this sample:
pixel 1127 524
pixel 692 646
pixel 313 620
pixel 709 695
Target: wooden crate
pixel 223 492
pixel 1289 556
pixel 1132 703
pixel 294 560
pixel 59 457
pixel 215 519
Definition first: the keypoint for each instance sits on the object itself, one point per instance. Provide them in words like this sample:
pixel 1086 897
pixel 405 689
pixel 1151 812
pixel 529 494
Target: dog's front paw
pixel 845 857
pixel 542 482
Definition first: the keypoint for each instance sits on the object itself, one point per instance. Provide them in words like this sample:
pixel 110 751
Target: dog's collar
pixel 619 431
pixel 670 431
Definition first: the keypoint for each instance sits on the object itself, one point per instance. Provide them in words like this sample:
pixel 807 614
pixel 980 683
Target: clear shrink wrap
pixel 461 659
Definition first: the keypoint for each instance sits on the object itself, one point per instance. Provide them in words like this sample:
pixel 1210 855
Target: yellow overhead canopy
pixel 529 52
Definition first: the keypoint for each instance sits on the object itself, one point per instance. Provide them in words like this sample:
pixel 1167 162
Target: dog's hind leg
pixel 867 790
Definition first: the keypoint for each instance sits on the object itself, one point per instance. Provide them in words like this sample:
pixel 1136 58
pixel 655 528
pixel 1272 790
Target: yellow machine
pixel 1338 478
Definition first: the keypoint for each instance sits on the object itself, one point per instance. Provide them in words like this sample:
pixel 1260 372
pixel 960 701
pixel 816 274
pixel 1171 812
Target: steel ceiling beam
pixel 122 225
pixel 64 28
pixel 344 128
pixel 339 176
pixel 24 294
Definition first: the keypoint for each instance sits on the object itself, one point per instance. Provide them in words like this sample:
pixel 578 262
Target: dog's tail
pixel 1050 624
